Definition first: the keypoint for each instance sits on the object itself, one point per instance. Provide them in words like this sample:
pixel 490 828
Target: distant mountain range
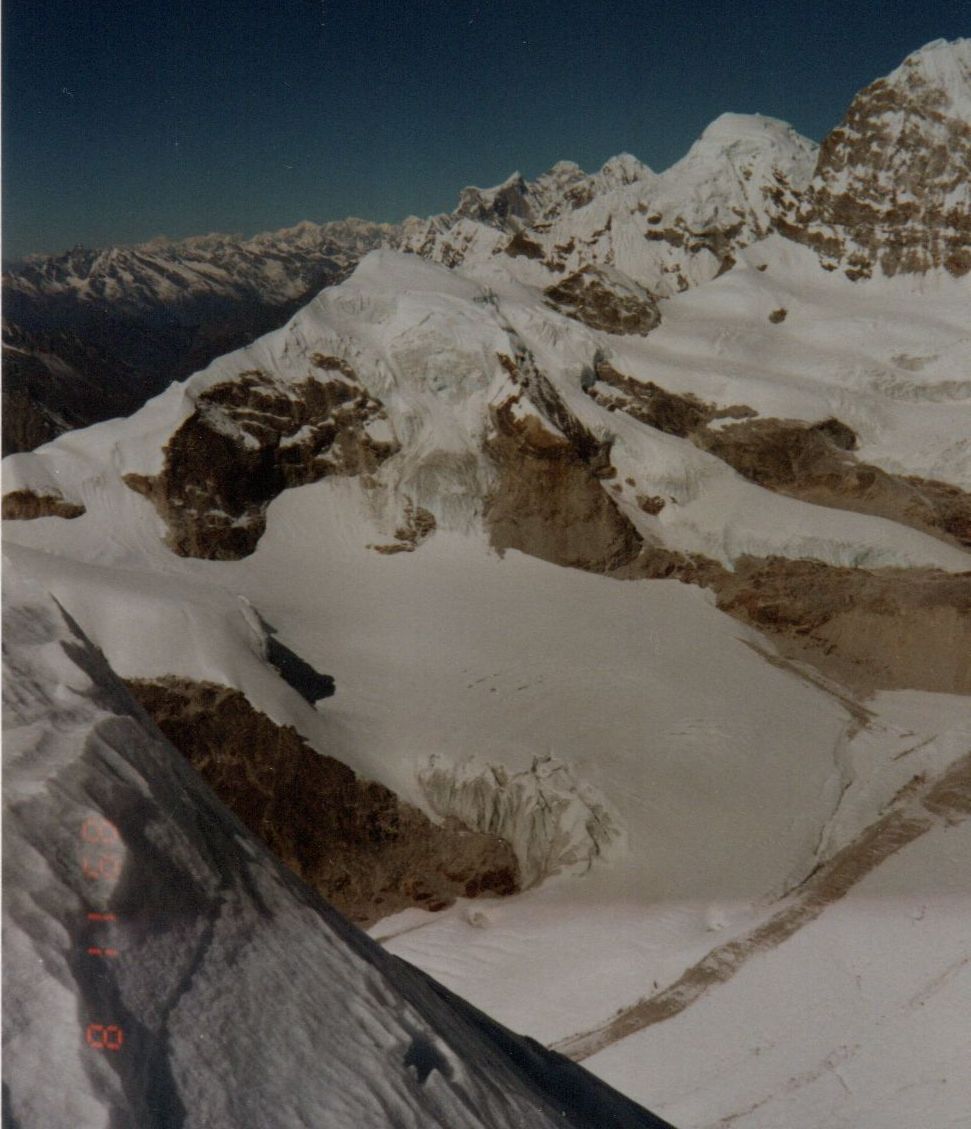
pixel 91 334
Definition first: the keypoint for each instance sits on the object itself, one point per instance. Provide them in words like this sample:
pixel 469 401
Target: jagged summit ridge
pixel 887 193
pixel 275 266
pixel 892 188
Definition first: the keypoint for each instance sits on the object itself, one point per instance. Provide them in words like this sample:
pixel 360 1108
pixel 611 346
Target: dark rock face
pixel 892 192
pixel 673 413
pixel 27 423
pixel 25 505
pixel 362 848
pixel 589 297
pixel 248 440
pixel 522 246
pixel 548 501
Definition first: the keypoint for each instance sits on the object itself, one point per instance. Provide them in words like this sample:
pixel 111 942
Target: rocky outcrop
pixel 891 193
pixel 813 462
pixel 592 297
pixel 418 525
pixel 548 500
pixel 248 440
pixel 25 505
pixel 361 847
pixel 870 629
pixel 674 413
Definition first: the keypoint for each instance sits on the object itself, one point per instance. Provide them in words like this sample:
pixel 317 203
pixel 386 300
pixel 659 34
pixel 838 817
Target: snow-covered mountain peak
pixel 623 169
pixel 942 67
pixel 496 205
pixel 729 129
pixel 892 192
pixel 663 232
pixel 565 169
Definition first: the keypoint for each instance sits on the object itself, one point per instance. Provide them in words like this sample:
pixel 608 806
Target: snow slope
pixel 860 1020
pixel 194 981
pixel 717 780
pixel 428 344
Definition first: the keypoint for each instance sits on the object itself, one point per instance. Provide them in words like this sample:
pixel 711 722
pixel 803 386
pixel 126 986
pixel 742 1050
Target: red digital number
pixel 98 830
pixel 107 866
pixel 104 1038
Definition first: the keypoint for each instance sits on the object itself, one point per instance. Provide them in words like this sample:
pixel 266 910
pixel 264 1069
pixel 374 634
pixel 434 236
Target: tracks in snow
pixel 917 808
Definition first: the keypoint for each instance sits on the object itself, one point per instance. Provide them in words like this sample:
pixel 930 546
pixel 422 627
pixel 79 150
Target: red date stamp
pixel 101 865
pixel 104 1038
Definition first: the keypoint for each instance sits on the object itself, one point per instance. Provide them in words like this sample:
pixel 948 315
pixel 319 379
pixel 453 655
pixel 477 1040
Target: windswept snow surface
pixel 860 1021
pixel 174 974
pixel 428 342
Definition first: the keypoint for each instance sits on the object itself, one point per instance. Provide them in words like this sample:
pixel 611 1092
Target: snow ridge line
pixel 917 808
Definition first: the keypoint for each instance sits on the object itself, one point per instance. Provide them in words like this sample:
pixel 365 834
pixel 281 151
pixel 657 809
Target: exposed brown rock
pixel 650 503
pixel 680 414
pixel 355 841
pixel 813 462
pixel 548 501
pixel 248 440
pixel 778 316
pixel 720 242
pixel 418 526
pixel 522 246
pixel 588 297
pixel 890 194
pixel 870 629
pixel 25 505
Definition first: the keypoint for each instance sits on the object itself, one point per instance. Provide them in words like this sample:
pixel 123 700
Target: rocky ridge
pixel 92 334
pixel 892 193
pixel 368 853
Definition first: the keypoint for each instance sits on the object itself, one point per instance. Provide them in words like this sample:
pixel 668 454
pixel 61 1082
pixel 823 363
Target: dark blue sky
pixel 129 118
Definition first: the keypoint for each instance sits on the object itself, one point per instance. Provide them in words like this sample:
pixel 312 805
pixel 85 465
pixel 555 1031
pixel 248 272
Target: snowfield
pixel 221 991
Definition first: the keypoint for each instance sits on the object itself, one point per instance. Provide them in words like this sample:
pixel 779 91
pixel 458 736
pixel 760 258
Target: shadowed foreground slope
pixel 183 976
